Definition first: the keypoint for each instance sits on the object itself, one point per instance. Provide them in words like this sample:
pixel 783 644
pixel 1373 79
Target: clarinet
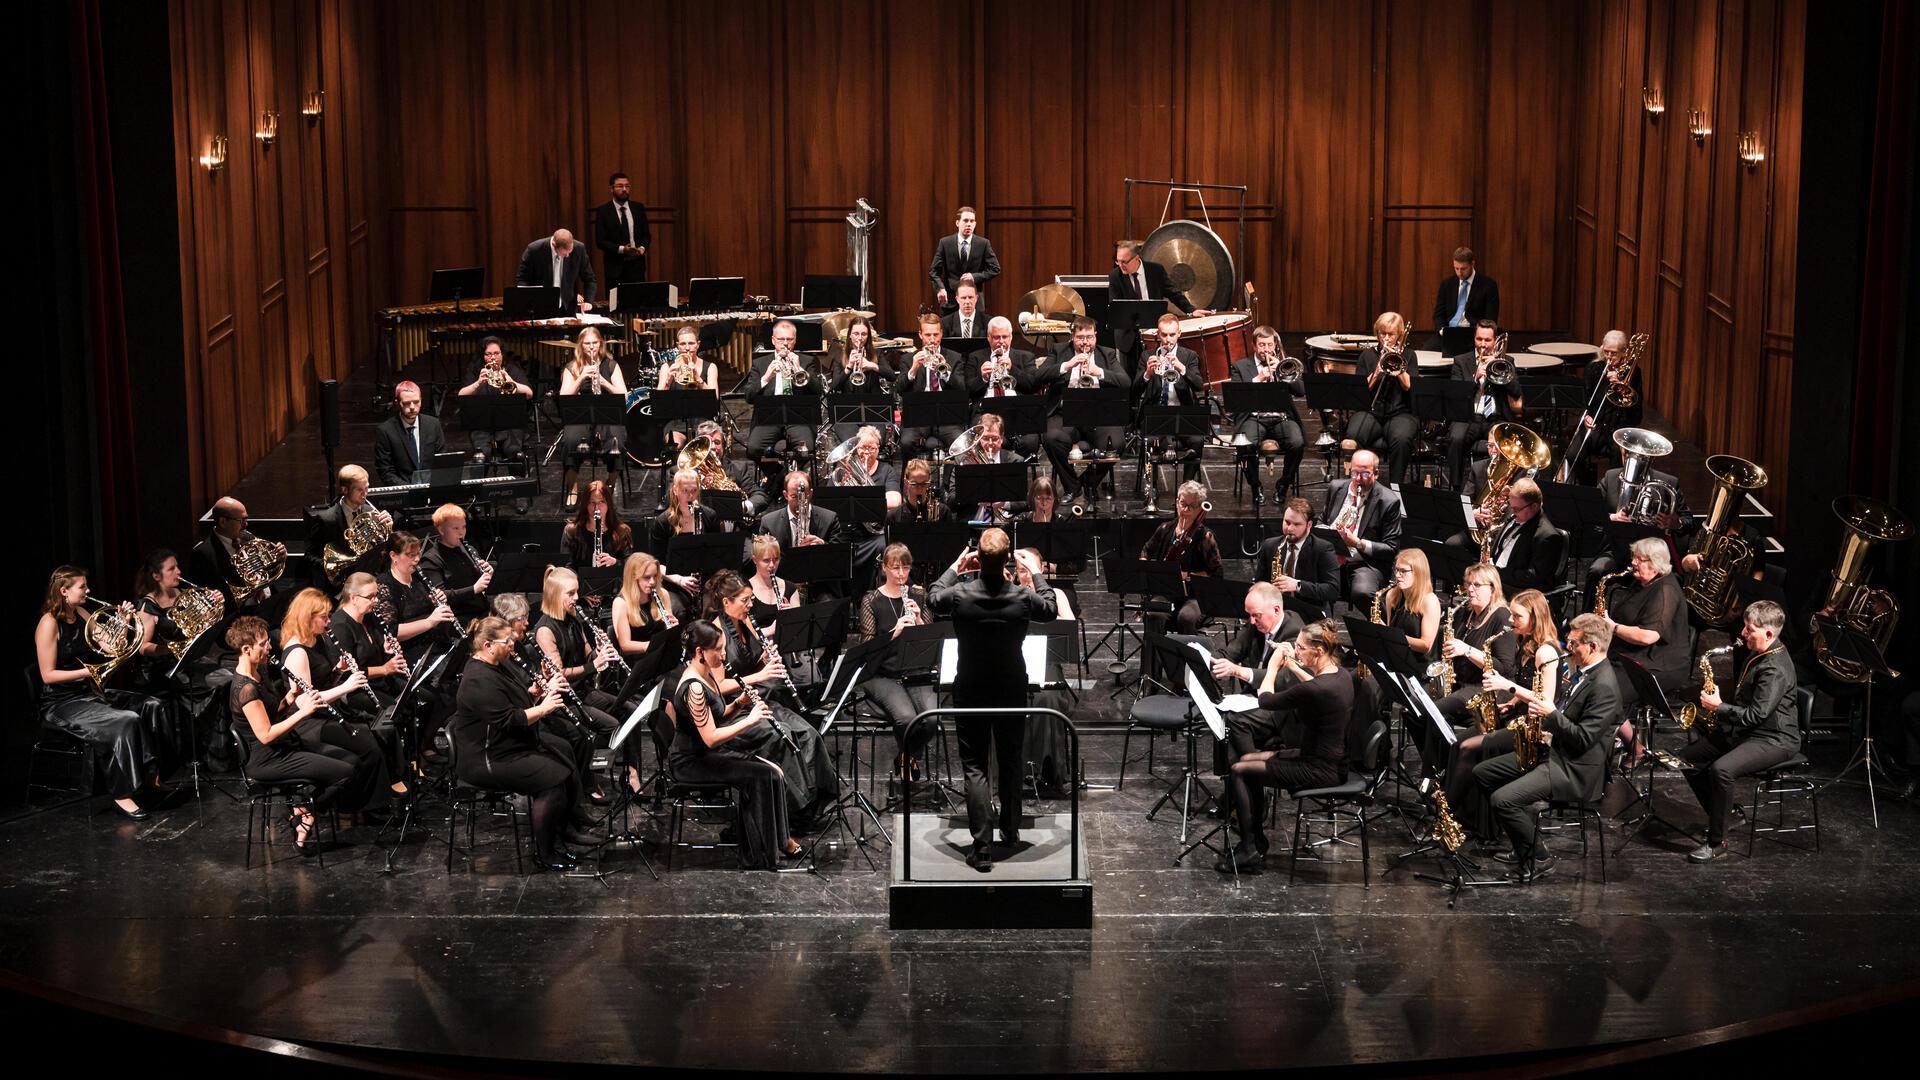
pixel 602 642
pixel 773 718
pixel 766 656
pixel 353 668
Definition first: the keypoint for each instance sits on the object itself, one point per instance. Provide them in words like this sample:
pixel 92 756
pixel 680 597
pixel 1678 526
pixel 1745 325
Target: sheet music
pixel 1233 703
pixel 1033 649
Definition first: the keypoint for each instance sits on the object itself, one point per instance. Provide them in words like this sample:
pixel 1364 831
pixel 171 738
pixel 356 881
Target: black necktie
pixel 626 223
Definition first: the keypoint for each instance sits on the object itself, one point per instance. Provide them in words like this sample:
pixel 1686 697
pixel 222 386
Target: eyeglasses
pixel 1407 570
pixel 1479 586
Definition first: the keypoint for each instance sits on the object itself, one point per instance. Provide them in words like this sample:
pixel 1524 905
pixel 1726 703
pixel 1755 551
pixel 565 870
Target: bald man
pixel 557 260
pixel 211 561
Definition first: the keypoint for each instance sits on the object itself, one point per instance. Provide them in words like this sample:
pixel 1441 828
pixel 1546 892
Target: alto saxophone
pixel 1691 713
pixel 1600 592
pixel 1443 667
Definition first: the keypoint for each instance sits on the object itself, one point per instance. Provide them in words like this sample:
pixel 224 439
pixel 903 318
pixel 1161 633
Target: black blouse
pixel 241 692
pixel 1502 650
pixel 878 614
pixel 578 543
pixel 453 571
pixel 1657 606
pixel 1389 398
pixel 686 734
pixel 1324 705
pixel 1202 555
pixel 490 712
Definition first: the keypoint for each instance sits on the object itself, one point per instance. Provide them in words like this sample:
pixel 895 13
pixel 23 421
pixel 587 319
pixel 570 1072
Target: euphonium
pixel 194 612
pixel 1852 602
pixel 1519 452
pixel 702 457
pixel 1691 713
pixel 258 563
pixel 1600 590
pixel 113 634
pixel 1724 559
pixel 366 530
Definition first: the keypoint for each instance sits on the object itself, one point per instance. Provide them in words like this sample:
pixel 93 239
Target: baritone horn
pixel 1851 602
pixel 1724 560
pixel 1643 498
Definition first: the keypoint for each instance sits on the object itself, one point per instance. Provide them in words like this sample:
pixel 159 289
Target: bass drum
pixel 643 433
pixel 1220 339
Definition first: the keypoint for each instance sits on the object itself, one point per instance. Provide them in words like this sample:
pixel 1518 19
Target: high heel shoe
pixel 303 842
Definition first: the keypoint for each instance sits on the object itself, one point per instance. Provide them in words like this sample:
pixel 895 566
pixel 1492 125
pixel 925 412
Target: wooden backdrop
pixel 1373 137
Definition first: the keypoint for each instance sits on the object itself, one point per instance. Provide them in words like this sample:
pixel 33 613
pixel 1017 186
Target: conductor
pixel 990 615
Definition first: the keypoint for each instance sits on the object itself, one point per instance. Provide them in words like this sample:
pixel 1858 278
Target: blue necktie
pixel 1460 308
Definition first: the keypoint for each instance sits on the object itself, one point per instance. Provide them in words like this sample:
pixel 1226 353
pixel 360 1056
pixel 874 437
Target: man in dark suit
pixel 1304 567
pixel 1605 417
pixel 557 260
pixel 406 441
pixel 1366 515
pixel 979 371
pixel 328 526
pixel 923 374
pixel 1281 428
pixel 620 231
pixel 1673 523
pixel 1080 358
pixel 1464 299
pixel 822 524
pixel 966 320
pixel 963 257
pixel 990 617
pixel 1491 404
pixel 1249 658
pixel 211 564
pixel 778 372
pixel 1528 550
pixel 1171 375
pixel 1579 731
pixel 1134 278
pixel 1754 728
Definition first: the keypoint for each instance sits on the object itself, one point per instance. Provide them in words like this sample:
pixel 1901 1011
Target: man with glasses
pixel 212 560
pixel 1365 514
pixel 1577 734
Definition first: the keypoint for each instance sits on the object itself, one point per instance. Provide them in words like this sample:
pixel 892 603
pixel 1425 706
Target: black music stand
pixel 787 410
pixel 948 407
pixel 727 506
pixel 1060 542
pixel 1222 598
pixel 1170 421
pixel 676 403
pixel 640 296
pixel 1249 398
pixel 854 505
pixel 704 554
pixel 1446 400
pixel 716 293
pixel 821 625
pixel 457 283
pixel 1337 392
pixel 808 335
pixel 1433 513
pixel 595 409
pixel 1576 509
pixel 598 583
pixel 519 572
pixel 1847 644
pixel 830 291
pixel 1448 565
pixel 993 482
pixel 966 346
pixel 1021 415
pixel 846 675
pixel 534 302
pixel 1095 407
pixel 933 543
pixel 1130 316
pixel 1654 701
pixel 860 408
pixel 827 563
pixel 1145 579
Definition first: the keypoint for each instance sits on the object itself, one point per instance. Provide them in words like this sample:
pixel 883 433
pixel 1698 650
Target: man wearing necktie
pixel 620 231
pixel 1491 404
pixel 967 321
pixel 1134 278
pixel 932 369
pixel 962 257
pixel 1249 658
pixel 1464 299
pixel 406 441
pixel 1308 568
pixel 1528 549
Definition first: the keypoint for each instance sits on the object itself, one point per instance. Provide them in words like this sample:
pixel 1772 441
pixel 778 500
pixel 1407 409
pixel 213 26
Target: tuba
pixel 1852 602
pixel 1642 498
pixel 699 456
pixel 366 530
pixel 1724 559
pixel 1520 451
pixel 194 612
pixel 844 465
pixel 113 634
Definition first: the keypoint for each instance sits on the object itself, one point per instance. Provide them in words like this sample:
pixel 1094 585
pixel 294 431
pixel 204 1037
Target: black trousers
pixel 991 743
pixel 922 442
pixel 1513 793
pixel 900 703
pixel 1720 761
pixel 1392 436
pixel 340 781
pixel 1462 438
pixel 1293 443
pixel 1466 800
pixel 1247 782
pixel 761 439
pixel 609 437
pixel 1363 579
pixel 500 445
pixel 1058 442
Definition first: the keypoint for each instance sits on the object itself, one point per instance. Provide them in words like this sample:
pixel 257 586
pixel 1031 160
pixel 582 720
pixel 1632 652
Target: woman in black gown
pixel 70 702
pixel 884 612
pixel 499 743
pixel 790 741
pixel 708 737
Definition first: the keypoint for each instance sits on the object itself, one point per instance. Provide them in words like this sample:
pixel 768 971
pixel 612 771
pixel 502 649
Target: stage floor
pixel 1183 969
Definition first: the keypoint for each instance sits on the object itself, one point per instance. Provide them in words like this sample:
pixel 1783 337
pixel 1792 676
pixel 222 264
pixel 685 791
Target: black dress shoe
pixel 138 813
pixel 1010 837
pixel 573 834
pixel 1259 497
pixel 980 859
pixel 1242 861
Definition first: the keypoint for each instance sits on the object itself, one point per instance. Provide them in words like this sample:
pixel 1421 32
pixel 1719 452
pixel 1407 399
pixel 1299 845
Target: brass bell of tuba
pixel 1724 560
pixel 1867 609
pixel 1642 498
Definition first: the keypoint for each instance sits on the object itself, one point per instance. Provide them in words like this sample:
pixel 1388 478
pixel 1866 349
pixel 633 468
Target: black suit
pixel 394 461
pixel 1582 727
pixel 1389 425
pixel 1483 302
pixel 762 437
pixel 1535 559
pixel 778 523
pixel 1368 569
pixel 1466 440
pixel 1022 366
pixel 1189 388
pixel 1282 427
pixel 990 620
pixel 950 326
pixel 1316 566
pixel 1756 727
pixel 947 266
pixel 922 441
pixel 1261 729
pixel 1126 287
pixel 1060 439
pixel 609 235
pixel 576 272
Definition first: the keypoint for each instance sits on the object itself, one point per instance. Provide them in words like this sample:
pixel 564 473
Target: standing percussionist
pixel 492 374
pixel 962 258
pixel 1171 376
pixel 1134 278
pixel 620 230
pixel 1492 403
pixel 1389 423
pixel 1282 429
pixel 561 263
pixel 1080 364
pixel 990 617
pixel 1755 728
pixel 931 369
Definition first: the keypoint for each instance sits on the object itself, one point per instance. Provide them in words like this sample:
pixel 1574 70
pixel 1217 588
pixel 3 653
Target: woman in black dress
pixel 884 612
pixel 788 741
pixel 70 702
pixel 350 710
pixel 1538 652
pixel 280 736
pixel 710 735
pixel 1189 544
pixel 1410 606
pixel 1648 616
pixel 184 693
pixel 1481 645
pixel 498 742
pixel 685 515
pixel 641 609
pixel 770 594
pixel 596 537
pixel 1322 698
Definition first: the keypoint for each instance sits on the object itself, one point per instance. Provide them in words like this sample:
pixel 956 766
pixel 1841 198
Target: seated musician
pixel 356 633
pixel 1492 404
pixel 744 476
pixel 406 441
pixel 1577 730
pixel 1171 375
pixel 884 612
pixel 931 368
pixel 328 527
pixel 596 537
pixel 424 624
pixel 1670 522
pixel 1080 363
pixel 325 730
pixel 500 728
pixel 70 701
pixel 1281 429
pixel 185 692
pixel 1480 643
pixel 566 642
pixel 1045 745
pixel 493 374
pixel 780 372
pixel 686 369
pixel 1000 370
pixel 685 515
pixel 1043 508
pixel 871 471
pixel 451 565
pixel 1389 424
pixel 1366 515
pixel 799 522
pixel 755 662
pixel 1527 550
pixel 1537 656
pixel 857 367
pixel 990 450
pixel 966 320
pixel 1754 728
pixel 1303 566
pixel 1646 617
pixel 1322 698
pixel 1611 367
pixel 592 370
pixel 282 739
pixel 771 595
pixel 213 561
pixel 1410 606
pixel 351 706
pixel 1250 659
pixel 717 740
pixel 1187 542
pixel 918 502
pixel 642 608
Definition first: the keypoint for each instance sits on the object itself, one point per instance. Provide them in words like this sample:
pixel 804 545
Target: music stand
pixel 705 554
pixel 1131 316
pixel 1576 508
pixel 493 412
pixel 1654 703
pixel 1190 420
pixel 1221 598
pixel 820 625
pixel 716 293
pixel 854 505
pixel 1337 392
pixel 1435 513
pixel 817 563
pixel 1060 542
pixel 1448 565
pixel 1446 400
pixel 598 582
pixel 1250 398
pixel 808 335
pixel 727 506
pixel 933 543
pixel 830 291
pixel 418 676
pixel 533 302
pixel 632 297
pixel 966 346
pixel 1021 414
pixel 918 649
pixel 840 686
pixel 1094 407
pixel 456 283
pixel 689 403
pixel 947 407
pixel 990 483
pixel 519 572
pixel 1847 644
pixel 787 410
pixel 856 407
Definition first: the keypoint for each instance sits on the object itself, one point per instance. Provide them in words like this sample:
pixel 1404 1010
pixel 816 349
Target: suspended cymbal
pixel 1196 260
pixel 1057 304
pixel 558 343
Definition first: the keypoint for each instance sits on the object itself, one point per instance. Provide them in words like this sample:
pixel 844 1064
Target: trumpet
pixel 1083 377
pixel 1000 378
pixel 788 370
pixel 856 372
pixel 936 360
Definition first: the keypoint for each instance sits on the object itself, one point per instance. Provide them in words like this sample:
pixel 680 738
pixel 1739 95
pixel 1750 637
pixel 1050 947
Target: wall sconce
pixel 1751 154
pixel 269 129
pixel 1652 102
pixel 215 158
pixel 1697 126
pixel 313 105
